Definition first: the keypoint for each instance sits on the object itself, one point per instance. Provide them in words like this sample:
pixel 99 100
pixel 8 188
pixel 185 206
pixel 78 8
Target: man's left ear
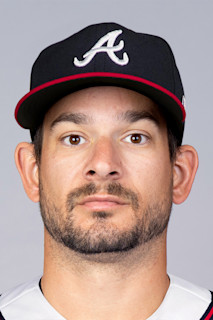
pixel 184 170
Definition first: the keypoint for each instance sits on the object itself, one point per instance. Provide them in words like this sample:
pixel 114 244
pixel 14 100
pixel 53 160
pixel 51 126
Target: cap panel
pixel 149 57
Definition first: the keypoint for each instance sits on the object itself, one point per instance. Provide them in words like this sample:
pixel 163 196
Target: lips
pixel 100 202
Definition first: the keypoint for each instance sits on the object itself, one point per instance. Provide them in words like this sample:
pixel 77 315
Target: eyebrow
pixel 128 116
pixel 77 118
pixel 134 116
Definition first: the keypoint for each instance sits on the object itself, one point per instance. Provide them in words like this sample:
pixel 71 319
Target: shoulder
pixel 188 300
pixel 17 292
pixel 208 315
pixel 11 300
pixel 189 290
pixel 26 302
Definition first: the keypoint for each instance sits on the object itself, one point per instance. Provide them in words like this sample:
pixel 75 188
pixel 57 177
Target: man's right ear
pixel 28 169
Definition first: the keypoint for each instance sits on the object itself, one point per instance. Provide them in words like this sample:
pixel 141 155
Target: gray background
pixel 26 27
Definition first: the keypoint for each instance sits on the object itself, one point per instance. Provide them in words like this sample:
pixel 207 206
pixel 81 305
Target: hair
pixel 37 140
pixel 173 142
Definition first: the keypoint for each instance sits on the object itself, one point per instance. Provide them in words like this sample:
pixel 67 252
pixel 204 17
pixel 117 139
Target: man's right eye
pixel 74 140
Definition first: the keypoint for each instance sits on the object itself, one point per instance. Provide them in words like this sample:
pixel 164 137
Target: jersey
pixel 183 301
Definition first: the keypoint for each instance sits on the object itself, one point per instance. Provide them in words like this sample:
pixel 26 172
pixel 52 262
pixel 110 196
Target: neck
pixel 126 286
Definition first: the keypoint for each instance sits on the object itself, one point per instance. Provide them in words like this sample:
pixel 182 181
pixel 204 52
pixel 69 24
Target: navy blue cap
pixel 105 54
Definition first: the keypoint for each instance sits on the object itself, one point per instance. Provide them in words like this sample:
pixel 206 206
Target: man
pixel 106 116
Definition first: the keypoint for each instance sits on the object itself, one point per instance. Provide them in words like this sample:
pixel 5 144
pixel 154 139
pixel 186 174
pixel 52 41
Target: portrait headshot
pixel 107 155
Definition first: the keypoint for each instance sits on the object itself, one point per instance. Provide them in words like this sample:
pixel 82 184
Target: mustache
pixel 112 188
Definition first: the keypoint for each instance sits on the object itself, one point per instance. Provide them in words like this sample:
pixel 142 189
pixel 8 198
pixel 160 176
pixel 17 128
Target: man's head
pixel 105 179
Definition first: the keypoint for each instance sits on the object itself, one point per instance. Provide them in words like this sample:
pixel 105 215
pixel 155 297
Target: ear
pixel 28 169
pixel 184 170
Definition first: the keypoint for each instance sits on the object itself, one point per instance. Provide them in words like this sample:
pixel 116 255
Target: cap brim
pixel 31 108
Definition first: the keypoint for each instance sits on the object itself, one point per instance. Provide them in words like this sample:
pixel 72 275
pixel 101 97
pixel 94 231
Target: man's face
pixel 105 171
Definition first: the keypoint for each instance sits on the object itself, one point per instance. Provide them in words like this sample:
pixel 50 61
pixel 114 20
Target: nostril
pixel 92 172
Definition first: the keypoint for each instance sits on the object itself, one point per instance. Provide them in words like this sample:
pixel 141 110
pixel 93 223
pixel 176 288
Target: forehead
pixel 101 102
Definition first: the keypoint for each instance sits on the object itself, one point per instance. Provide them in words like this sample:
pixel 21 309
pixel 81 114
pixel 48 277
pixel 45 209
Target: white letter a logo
pixel 110 49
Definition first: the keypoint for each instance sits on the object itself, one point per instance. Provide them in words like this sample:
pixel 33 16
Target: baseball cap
pixel 105 54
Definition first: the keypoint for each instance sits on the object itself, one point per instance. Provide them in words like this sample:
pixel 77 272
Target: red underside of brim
pixel 100 75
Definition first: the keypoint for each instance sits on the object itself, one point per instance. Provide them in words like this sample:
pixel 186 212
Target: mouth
pixel 102 202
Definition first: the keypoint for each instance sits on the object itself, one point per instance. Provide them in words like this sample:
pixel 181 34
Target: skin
pixel 116 285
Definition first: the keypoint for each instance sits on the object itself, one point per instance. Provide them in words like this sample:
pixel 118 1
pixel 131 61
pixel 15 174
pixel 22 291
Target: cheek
pixel 150 175
pixel 59 175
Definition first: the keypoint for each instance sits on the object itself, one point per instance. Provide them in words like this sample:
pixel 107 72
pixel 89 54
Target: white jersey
pixel 183 301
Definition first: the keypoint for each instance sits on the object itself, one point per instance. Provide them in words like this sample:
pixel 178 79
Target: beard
pixel 103 236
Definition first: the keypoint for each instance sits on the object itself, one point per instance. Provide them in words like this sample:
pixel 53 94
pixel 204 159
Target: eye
pixel 136 138
pixel 74 140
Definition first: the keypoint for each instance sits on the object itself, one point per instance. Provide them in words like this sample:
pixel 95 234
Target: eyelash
pixel 129 139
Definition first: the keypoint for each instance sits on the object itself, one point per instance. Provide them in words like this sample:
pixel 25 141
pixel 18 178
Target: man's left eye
pixel 74 140
pixel 136 138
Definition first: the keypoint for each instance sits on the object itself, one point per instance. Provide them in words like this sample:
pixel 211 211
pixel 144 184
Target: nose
pixel 104 162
